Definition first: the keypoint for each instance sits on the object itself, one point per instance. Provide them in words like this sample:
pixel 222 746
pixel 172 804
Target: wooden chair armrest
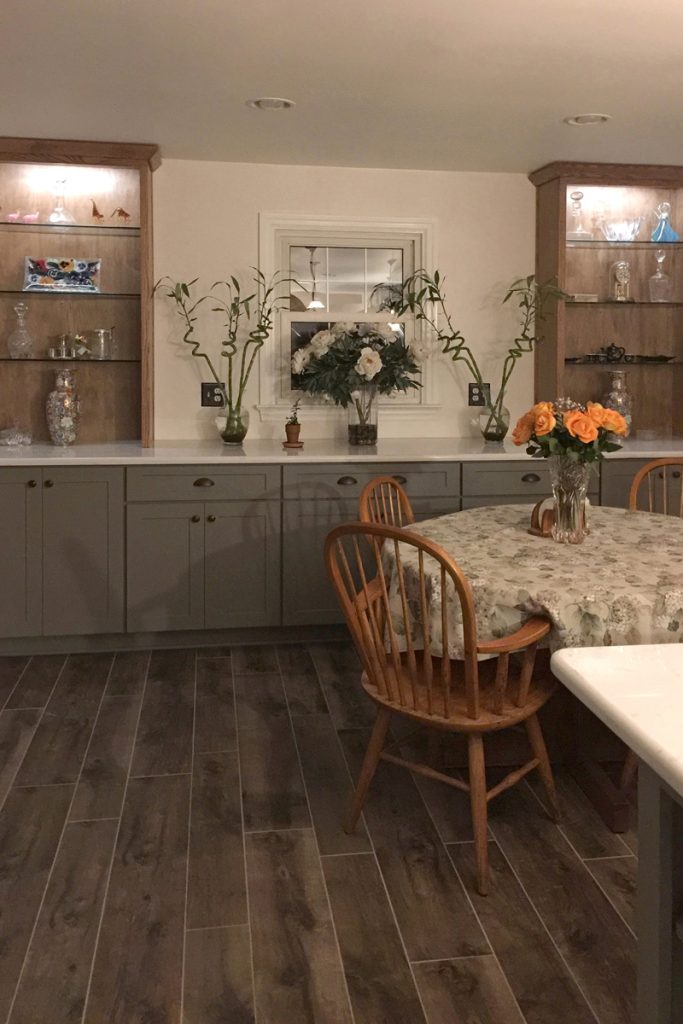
pixel 531 632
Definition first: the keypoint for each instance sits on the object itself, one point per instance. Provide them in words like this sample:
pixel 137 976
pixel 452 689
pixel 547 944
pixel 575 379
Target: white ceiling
pixel 442 84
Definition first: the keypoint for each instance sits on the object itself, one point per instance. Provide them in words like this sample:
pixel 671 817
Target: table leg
pixel 660 903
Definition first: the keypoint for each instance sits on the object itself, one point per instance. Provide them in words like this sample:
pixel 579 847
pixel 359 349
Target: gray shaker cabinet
pixel 203 547
pixel 61 546
pixel 21 513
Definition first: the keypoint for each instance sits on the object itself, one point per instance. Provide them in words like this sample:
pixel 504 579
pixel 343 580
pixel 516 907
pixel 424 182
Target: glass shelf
pixel 79 362
pixel 71 229
pixel 71 295
pixel 602 243
pixel 621 365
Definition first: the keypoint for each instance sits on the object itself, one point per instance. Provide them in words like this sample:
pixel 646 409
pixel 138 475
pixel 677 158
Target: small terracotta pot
pixel 292 430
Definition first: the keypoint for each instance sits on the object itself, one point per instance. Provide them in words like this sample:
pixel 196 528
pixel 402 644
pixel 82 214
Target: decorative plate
pixel 59 274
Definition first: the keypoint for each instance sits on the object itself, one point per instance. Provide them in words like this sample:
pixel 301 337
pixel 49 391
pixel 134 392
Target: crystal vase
pixel 236 425
pixel 63 409
pixel 569 481
pixel 362 413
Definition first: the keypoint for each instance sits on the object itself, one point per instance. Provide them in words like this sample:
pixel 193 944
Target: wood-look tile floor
pixel 171 852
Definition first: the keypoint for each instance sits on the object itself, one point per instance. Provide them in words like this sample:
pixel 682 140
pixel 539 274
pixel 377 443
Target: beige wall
pixel 206 225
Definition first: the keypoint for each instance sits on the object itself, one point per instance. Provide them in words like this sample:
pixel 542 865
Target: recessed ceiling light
pixel 271 103
pixel 581 119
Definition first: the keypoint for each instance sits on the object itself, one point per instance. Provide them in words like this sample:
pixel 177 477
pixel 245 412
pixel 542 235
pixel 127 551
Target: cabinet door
pixel 165 578
pixel 242 564
pixel 20 552
pixel 83 545
pixel 307 594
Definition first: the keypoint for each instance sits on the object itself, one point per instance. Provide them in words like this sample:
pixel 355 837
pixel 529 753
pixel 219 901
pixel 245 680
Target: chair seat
pixel 542 687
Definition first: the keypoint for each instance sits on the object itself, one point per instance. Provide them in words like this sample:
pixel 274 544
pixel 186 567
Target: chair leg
pixel 629 770
pixel 478 803
pixel 369 767
pixel 533 729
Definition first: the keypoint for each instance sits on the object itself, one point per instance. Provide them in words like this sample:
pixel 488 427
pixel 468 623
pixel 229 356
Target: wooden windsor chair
pixel 383 500
pixel 659 486
pixel 407 669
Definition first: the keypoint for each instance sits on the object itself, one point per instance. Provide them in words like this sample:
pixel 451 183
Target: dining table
pixel 622 586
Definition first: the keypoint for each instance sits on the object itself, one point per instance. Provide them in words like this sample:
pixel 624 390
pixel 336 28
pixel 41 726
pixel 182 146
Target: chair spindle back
pixel 658 487
pixel 384 577
pixel 383 500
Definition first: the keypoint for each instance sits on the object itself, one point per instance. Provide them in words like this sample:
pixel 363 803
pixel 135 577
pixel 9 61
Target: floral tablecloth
pixel 623 585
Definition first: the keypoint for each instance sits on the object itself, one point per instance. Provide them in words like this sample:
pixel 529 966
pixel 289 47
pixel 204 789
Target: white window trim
pixel 274 362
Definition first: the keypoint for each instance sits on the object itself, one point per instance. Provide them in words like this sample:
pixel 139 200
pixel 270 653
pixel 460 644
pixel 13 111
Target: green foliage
pixel 293 417
pixel 257 308
pixel 331 368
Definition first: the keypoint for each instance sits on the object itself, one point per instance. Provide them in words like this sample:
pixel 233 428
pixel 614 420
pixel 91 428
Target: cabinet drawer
pixel 517 479
pixel 419 479
pixel 203 483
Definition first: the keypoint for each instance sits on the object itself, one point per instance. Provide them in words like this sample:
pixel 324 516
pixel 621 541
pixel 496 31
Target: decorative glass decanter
pixel 20 342
pixel 577 233
pixel 618 398
pixel 661 287
pixel 60 215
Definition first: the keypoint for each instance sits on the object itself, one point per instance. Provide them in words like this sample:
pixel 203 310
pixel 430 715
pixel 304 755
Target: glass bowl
pixel 621 230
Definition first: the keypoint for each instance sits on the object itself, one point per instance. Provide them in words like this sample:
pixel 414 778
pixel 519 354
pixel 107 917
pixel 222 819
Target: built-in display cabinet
pixel 594 237
pixel 81 214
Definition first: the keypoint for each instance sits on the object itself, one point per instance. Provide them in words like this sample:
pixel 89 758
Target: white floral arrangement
pixel 346 356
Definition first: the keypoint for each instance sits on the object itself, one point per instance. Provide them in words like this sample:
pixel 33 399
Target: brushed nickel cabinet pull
pixel 49 483
pixel 195 519
pixel 400 479
pixel 203 481
pixel 530 478
pixel 211 519
pixel 32 483
pixel 347 481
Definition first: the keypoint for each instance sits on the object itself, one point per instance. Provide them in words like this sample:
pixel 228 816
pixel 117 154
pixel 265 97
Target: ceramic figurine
pixel 663 232
pixel 96 215
pixel 31 218
pixel 13 217
pixel 121 213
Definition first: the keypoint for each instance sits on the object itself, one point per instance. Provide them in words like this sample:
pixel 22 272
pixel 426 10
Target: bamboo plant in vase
pixel 239 312
pixel 352 364
pixel 424 296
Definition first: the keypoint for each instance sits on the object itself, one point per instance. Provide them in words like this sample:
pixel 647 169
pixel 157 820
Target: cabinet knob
pixel 203 481
pixel 49 483
pixel 530 478
pixel 676 475
pixel 211 519
pixel 346 481
pixel 32 483
pixel 400 479
pixel 196 519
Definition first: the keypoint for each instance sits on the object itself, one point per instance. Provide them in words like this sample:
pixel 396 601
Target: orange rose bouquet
pixel 582 433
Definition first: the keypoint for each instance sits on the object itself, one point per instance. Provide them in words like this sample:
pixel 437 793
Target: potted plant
pixel 238 350
pixel 292 425
pixel 572 437
pixel 353 363
pixel 424 296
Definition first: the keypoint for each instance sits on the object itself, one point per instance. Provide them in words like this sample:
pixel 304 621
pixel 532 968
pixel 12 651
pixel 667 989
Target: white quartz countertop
pixel 438 449
pixel 638 692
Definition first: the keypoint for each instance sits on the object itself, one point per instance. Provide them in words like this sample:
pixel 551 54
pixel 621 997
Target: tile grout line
pixel 615 856
pixel 352 1016
pixel 19 678
pixel 562 828
pixel 468 897
pixel 583 863
pixel 216 928
pixel 546 929
pixel 183 959
pixel 244 845
pixel 58 848
pixel 40 719
pixel 105 896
